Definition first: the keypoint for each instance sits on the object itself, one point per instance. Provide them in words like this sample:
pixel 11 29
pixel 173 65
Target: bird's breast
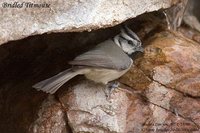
pixel 104 75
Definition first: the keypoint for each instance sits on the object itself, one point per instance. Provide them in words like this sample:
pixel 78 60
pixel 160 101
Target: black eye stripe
pixel 120 41
pixel 125 38
pixel 122 37
pixel 129 41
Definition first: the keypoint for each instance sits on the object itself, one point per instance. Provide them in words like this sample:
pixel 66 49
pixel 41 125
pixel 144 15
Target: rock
pixel 190 33
pixel 68 16
pixel 133 79
pixel 171 65
pixel 51 118
pixel 27 111
pixel 181 62
pixel 138 113
pixel 90 110
pixel 175 14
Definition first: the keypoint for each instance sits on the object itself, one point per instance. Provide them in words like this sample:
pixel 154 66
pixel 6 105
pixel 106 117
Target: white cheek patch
pixel 116 40
pixel 127 48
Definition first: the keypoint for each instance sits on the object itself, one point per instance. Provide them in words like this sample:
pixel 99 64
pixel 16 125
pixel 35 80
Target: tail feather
pixel 52 84
pixel 53 89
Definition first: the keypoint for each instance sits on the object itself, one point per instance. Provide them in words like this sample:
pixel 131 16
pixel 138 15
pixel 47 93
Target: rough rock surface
pixel 51 118
pixel 68 15
pixel 190 33
pixel 171 66
pixel 90 110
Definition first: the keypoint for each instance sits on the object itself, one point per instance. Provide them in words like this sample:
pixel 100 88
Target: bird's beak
pixel 141 49
pixel 136 52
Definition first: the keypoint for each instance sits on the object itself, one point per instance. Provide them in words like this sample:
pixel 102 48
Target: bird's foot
pixel 110 88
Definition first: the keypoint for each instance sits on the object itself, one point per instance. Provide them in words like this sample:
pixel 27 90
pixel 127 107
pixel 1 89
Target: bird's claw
pixel 110 88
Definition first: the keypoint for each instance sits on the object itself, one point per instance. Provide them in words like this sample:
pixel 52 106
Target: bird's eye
pixel 129 42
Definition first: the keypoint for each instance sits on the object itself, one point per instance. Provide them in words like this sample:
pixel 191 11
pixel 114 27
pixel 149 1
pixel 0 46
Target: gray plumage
pixel 106 55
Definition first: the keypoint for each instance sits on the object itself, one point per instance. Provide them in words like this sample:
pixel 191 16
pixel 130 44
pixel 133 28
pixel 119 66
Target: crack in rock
pixel 172 111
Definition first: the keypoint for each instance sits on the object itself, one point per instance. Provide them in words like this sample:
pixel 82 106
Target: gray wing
pixel 106 55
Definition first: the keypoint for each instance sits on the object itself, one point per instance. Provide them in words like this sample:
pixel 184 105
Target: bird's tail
pixel 51 85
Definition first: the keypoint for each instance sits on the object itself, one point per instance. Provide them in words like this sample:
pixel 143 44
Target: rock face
pixel 18 21
pixel 171 66
pixel 90 110
pixel 51 118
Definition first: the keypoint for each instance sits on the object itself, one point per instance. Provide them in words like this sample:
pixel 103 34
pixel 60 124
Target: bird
pixel 106 62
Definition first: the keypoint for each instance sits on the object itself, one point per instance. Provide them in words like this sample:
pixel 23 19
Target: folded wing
pixel 106 55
